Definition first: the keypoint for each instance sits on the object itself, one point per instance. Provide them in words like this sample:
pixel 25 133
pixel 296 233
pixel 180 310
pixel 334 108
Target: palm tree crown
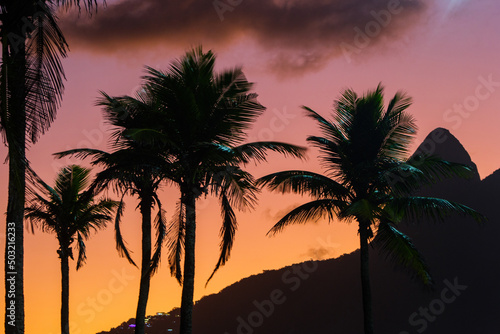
pixel 69 210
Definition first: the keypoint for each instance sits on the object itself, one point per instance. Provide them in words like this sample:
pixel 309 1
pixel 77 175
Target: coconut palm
pixel 31 86
pixel 201 127
pixel 364 149
pixel 132 168
pixel 186 125
pixel 71 213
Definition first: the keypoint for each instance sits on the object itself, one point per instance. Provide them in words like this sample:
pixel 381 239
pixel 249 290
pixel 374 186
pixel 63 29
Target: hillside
pixel 325 296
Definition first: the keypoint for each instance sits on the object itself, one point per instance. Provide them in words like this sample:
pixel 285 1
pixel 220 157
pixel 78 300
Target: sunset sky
pixel 443 53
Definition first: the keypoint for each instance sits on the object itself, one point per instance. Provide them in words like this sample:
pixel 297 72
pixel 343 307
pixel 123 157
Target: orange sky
pixel 443 56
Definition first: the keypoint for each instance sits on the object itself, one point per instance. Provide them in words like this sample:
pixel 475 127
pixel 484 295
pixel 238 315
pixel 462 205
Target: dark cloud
pixel 297 35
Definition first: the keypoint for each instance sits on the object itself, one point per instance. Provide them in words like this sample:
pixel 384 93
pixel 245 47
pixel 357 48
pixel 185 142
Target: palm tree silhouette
pixel 31 86
pixel 204 116
pixel 134 168
pixel 186 127
pixel 364 151
pixel 71 213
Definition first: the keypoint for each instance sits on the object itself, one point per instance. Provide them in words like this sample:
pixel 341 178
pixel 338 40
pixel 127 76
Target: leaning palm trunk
pixel 14 88
pixel 144 284
pixel 64 290
pixel 189 265
pixel 365 278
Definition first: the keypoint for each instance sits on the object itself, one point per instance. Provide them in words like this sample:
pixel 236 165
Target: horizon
pixel 443 54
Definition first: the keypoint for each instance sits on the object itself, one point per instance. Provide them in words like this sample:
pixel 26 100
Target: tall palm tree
pixel 183 127
pixel 132 168
pixel 70 212
pixel 363 148
pixel 31 86
pixel 201 128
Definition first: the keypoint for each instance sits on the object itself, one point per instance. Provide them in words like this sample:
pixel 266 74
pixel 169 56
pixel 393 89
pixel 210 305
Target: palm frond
pixel 326 127
pixel 331 156
pixel 93 215
pixel 82 256
pixel 161 229
pixel 257 151
pixel 175 242
pixel 399 248
pixel 429 208
pixel 227 233
pixel 406 177
pixel 121 246
pixel 89 5
pixel 36 185
pixel 81 153
pixel 399 132
pixel 361 209
pixel 237 184
pixel 44 75
pixel 436 169
pixel 303 182
pixel 313 210
pixel 39 218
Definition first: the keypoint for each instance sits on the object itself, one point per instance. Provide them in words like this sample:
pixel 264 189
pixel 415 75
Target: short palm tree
pixel 71 213
pixel 137 169
pixel 31 87
pixel 363 148
pixel 200 123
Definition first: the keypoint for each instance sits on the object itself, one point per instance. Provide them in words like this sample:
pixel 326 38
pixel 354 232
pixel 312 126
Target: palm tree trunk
pixel 189 266
pixel 15 128
pixel 144 284
pixel 64 291
pixel 365 277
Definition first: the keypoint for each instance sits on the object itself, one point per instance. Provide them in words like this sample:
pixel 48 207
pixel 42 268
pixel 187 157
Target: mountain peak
pixel 441 143
pixel 444 144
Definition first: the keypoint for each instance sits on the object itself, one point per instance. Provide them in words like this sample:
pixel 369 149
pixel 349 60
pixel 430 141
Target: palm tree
pixel 31 86
pixel 183 127
pixel 201 128
pixel 70 212
pixel 136 169
pixel 362 149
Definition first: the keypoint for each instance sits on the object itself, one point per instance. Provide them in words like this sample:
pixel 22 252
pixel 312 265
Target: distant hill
pixel 318 297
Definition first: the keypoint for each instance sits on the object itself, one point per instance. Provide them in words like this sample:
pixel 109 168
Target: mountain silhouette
pixel 317 297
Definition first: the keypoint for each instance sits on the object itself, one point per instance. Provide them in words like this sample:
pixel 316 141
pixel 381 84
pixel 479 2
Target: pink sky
pixel 443 55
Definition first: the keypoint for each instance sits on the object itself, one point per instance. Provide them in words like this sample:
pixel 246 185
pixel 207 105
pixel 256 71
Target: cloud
pixel 321 253
pixel 326 249
pixel 296 35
